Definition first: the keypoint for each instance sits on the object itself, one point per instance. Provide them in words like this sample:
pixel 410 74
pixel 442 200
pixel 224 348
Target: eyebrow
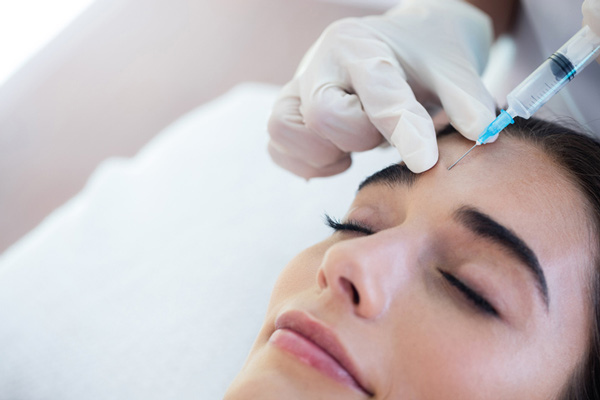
pixel 399 174
pixel 486 227
pixel 476 221
pixel 394 175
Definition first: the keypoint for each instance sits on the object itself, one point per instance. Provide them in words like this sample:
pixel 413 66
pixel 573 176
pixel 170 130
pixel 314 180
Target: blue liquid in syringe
pixel 543 83
pixel 547 80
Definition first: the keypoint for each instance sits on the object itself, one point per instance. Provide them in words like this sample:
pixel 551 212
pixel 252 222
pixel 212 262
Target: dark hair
pixel 578 155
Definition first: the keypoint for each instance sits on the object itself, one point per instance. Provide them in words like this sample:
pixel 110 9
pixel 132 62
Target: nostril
pixel 355 296
pixel 351 290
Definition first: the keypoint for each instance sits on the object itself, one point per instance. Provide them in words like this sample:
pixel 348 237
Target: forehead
pixel 516 183
pixel 520 187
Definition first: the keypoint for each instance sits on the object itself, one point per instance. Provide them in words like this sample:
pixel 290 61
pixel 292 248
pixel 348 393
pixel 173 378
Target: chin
pixel 267 389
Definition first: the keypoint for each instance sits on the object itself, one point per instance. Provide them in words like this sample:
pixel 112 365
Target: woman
pixel 475 283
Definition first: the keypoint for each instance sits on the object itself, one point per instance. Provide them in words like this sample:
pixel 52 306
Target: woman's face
pixel 463 284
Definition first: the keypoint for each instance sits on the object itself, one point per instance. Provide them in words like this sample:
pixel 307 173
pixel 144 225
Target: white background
pixel 27 25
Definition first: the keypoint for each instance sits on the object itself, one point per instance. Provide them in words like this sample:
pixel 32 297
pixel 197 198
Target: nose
pixel 365 273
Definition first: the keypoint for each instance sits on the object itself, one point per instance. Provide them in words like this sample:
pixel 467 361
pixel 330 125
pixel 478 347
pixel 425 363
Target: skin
pixel 414 336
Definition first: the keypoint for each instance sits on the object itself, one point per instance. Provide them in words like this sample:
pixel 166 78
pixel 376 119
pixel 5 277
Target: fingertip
pixel 421 161
pixel 472 124
pixel 469 105
pixel 591 16
pixel 415 139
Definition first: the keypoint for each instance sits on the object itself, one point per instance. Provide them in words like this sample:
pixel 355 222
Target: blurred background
pixel 83 80
pixel 23 32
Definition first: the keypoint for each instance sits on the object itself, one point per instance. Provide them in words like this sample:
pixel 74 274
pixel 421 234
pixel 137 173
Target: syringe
pixel 560 68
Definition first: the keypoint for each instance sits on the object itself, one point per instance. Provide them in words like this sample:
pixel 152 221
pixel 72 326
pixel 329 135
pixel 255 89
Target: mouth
pixel 317 346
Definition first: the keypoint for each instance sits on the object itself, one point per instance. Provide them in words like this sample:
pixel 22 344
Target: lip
pixel 323 351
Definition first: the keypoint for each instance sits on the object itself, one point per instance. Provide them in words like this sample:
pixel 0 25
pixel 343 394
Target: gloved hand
pixel 368 77
pixel 591 16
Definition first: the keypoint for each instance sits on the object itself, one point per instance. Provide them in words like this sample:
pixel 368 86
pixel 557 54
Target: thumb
pixel 591 16
pixel 469 105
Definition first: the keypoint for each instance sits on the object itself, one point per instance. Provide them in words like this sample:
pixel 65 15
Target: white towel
pixel 153 282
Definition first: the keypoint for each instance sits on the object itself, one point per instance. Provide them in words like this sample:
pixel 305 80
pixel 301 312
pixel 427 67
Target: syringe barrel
pixel 554 73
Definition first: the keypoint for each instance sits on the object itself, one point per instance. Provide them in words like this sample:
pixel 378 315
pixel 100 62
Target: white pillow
pixel 153 281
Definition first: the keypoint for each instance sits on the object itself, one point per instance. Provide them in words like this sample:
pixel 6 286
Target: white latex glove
pixel 591 16
pixel 368 77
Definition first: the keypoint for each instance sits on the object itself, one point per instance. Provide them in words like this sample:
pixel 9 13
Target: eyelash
pixel 475 298
pixel 352 226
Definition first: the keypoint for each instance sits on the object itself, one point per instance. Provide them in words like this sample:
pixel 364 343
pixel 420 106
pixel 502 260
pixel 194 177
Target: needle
pixel 464 155
pixel 501 122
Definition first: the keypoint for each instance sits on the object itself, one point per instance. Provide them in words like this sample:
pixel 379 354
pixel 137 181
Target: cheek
pixel 300 274
pixel 436 353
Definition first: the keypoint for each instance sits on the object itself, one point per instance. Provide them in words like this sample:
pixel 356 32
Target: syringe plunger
pixel 554 73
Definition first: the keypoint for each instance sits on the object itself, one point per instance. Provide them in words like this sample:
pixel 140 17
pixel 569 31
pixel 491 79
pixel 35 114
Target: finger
pixel 468 104
pixel 291 136
pixel 329 104
pixel 415 139
pixel 391 105
pixel 591 15
pixel 305 170
pixel 338 116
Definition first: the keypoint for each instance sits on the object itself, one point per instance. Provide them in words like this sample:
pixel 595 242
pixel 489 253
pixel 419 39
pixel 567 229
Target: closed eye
pixel 475 298
pixel 471 295
pixel 352 226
